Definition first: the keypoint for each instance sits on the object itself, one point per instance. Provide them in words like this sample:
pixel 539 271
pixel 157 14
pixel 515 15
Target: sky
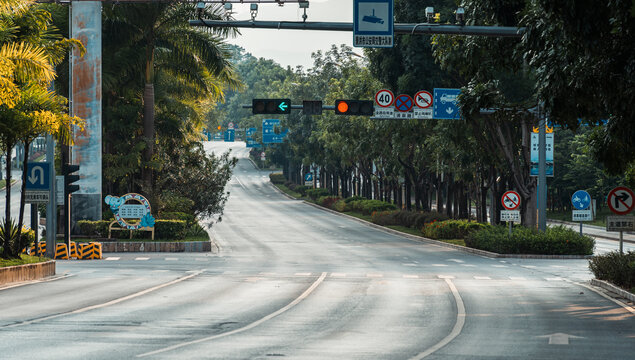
pixel 293 47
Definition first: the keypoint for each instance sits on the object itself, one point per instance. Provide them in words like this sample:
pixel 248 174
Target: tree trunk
pixel 7 210
pixel 148 134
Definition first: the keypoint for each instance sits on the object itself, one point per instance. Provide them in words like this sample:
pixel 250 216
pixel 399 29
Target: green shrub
pixel 384 218
pixel 616 268
pixel 196 230
pixel 451 229
pixel 94 228
pixel 170 229
pixel 554 241
pixel 370 206
pixel 176 215
pixel 315 194
pixel 354 198
pixel 302 189
pixel 277 178
pixel 171 202
pixel 328 201
pixel 340 206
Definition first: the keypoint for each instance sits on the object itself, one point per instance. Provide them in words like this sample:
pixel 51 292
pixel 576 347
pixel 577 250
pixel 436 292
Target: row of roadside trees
pixel 449 165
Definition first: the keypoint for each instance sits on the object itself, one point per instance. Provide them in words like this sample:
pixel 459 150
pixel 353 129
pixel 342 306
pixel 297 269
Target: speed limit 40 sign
pixel 384 98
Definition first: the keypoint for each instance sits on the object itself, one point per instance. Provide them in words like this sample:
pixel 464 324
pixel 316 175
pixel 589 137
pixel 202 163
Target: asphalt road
pixel 293 281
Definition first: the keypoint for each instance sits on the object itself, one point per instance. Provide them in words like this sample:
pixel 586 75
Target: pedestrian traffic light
pixel 69 179
pixel 271 106
pixel 354 107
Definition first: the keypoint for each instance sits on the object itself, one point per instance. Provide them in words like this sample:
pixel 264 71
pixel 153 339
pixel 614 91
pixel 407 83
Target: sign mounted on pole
pixel 445 104
pixel 581 200
pixel 423 99
pixel 620 200
pixel 384 98
pixel 403 103
pixel 511 200
pixel 373 23
pixel 37 182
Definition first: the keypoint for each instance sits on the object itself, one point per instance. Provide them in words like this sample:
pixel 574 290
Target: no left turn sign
pixel 384 98
pixel 511 200
pixel 423 99
pixel 620 200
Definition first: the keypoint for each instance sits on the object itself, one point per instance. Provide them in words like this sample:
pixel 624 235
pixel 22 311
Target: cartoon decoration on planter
pixel 130 206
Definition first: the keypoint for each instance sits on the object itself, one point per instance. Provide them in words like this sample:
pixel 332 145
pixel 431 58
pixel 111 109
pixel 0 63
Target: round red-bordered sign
pixel 384 98
pixel 423 99
pixel 621 200
pixel 511 200
pixel 404 103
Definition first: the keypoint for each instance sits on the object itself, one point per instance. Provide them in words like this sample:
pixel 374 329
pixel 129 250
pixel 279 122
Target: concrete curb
pixel 448 245
pixel 616 238
pixel 27 272
pixel 614 289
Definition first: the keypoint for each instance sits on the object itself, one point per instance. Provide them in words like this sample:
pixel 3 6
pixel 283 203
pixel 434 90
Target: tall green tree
pixel 157 38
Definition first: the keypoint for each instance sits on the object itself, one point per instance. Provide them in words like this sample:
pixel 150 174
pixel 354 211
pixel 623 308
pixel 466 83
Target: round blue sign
pixel 404 103
pixel 581 200
pixel 308 177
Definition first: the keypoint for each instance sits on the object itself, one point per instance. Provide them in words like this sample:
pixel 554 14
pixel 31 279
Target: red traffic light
pixel 354 107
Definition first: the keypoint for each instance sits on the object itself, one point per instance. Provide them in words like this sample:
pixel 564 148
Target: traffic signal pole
pixel 423 28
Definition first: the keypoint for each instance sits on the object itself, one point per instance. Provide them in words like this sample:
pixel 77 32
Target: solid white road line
pixel 303 296
pixel 458 326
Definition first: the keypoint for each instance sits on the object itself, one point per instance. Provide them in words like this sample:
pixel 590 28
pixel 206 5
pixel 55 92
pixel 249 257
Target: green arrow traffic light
pixel 271 106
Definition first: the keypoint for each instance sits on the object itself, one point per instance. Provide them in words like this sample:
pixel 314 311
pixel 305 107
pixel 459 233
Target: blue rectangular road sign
pixel 268 134
pixel 38 176
pixel 229 135
pixel 445 104
pixel 373 23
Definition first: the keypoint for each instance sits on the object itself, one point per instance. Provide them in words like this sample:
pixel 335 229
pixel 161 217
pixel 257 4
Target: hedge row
pixel 451 229
pixel 277 178
pixel 616 268
pixel 411 219
pixel 554 241
pixel 163 229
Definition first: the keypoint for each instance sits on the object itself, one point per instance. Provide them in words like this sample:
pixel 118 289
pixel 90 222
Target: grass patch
pixel 406 230
pixel 359 215
pixel 24 259
pixel 459 242
pixel 600 216
pixel 288 191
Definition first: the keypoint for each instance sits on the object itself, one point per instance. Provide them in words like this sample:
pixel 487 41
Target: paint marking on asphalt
pixel 406 276
pixel 171 259
pixel 303 274
pixel 482 278
pixel 112 258
pixel 458 325
pixel 456 261
pixel 629 308
pixel 142 258
pixel 468 265
pixel 554 279
pixel 108 303
pixel 439 265
pixel 445 276
pixel 303 296
pixel 500 266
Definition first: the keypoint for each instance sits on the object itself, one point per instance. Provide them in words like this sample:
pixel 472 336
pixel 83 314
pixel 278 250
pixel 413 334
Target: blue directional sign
pixel 373 23
pixel 581 200
pixel 268 134
pixel 445 104
pixel 308 177
pixel 230 135
pixel 38 176
pixel 251 143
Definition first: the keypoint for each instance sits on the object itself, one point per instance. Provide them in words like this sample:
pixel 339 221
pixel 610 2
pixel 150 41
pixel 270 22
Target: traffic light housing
pixel 354 107
pixel 69 179
pixel 271 106
pixel 312 107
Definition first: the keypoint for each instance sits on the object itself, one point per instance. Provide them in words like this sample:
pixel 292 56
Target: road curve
pixel 297 282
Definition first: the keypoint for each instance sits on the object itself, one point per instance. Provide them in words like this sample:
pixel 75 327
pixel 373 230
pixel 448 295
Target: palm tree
pixel 158 38
pixel 27 108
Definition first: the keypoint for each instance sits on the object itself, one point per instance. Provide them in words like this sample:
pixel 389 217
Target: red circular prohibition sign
pixel 511 200
pixel 622 203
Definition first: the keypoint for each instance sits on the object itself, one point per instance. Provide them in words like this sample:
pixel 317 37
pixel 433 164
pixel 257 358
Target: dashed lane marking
pixel 112 258
pixel 482 278
pixel 142 258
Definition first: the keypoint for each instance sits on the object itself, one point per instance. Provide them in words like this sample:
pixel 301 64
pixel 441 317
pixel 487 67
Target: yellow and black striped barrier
pixel 89 251
pixel 61 251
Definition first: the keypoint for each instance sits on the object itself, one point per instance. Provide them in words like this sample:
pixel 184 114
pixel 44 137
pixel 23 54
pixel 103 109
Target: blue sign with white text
pixel 581 200
pixel 445 104
pixel 230 135
pixel 38 176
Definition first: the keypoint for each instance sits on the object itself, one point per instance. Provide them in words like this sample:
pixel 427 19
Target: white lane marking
pixel 142 258
pixel 500 266
pixel 439 265
pixel 112 258
pixel 109 303
pixel 411 265
pixel 406 276
pixel 303 274
pixel 458 325
pixel 338 275
pixel 625 306
pixel 528 266
pixel 554 279
pixel 482 278
pixel 171 259
pixel 517 278
pixel 456 261
pixel 445 276
pixel 303 296
pixel 468 265
pixel 558 266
